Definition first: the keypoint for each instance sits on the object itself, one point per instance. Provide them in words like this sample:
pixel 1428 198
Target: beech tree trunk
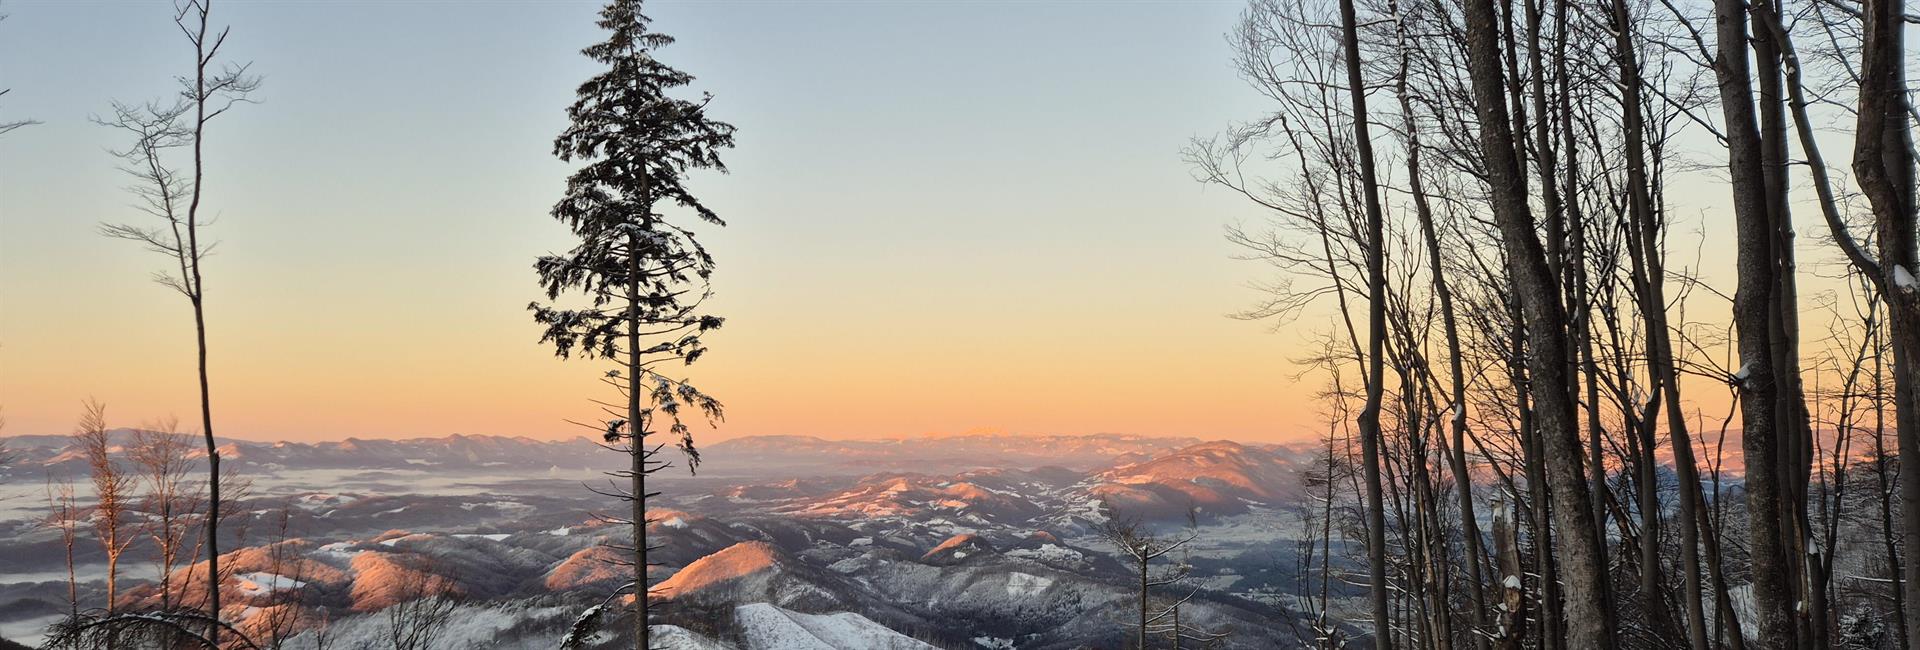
pixel 1456 372
pixel 1754 320
pixel 1369 420
pixel 1589 616
pixel 1883 163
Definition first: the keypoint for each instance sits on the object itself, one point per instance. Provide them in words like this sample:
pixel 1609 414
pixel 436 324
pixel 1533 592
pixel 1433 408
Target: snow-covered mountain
pixel 955 542
pixel 1214 478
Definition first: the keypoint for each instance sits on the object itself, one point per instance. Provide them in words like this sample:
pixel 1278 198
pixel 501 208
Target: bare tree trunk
pixel 61 501
pixel 1792 432
pixel 1512 610
pixel 1369 421
pixel 1550 621
pixel 1889 530
pixel 1647 258
pixel 1883 163
pixel 1759 388
pixel 1590 619
pixel 1141 643
pixel 203 54
pixel 1456 372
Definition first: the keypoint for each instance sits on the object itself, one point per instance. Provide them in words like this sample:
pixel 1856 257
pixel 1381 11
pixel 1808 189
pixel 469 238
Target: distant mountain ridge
pixel 41 456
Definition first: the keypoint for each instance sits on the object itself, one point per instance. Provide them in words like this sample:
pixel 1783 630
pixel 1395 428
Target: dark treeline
pixel 1486 196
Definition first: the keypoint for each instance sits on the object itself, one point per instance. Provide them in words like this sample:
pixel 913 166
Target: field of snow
pixel 771 628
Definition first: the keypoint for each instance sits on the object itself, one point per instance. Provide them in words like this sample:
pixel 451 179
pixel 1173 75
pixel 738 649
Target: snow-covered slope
pixel 767 627
pixel 749 572
pixel 1215 478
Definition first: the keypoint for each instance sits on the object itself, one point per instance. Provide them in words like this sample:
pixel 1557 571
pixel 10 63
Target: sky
pixel 944 217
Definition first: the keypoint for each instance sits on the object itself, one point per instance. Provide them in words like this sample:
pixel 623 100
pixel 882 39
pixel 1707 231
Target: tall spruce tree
pixel 643 272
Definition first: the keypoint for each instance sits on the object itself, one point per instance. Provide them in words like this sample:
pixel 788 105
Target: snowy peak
pixel 593 565
pixel 1038 538
pixel 750 572
pixel 1219 477
pixel 957 549
pixel 732 563
pixel 973 497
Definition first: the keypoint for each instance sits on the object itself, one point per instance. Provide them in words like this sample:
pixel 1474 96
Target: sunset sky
pixel 943 218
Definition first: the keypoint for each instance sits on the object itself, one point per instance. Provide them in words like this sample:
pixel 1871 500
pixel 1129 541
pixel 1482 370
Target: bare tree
pixel 1314 565
pixel 1141 548
pixel 1884 164
pixel 322 633
pixel 1590 616
pixel 10 125
pixel 420 617
pixel 65 516
pixel 1375 376
pixel 6 127
pixel 112 492
pixel 177 199
pixel 1592 321
pixel 283 609
pixel 162 461
pixel 6 455
pixel 1443 292
pixel 1754 317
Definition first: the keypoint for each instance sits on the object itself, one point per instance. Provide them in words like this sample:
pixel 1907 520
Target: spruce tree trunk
pixel 642 589
pixel 642 584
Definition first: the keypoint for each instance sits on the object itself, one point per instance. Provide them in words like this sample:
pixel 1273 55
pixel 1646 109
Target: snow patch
pixel 492 536
pixel 1049 554
pixel 767 627
pixel 674 637
pixel 261 583
pixel 1024 585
